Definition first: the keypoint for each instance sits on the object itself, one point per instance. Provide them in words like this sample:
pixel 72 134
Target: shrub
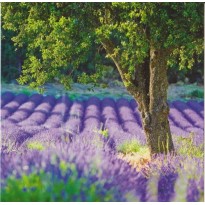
pixel 35 145
pixel 197 94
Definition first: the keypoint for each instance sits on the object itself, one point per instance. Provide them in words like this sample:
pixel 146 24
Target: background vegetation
pixel 13 58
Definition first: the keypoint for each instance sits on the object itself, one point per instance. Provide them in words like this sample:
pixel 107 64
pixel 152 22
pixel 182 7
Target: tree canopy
pixel 56 35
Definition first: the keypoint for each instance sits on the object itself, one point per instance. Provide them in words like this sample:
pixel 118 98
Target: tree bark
pixel 151 79
pixel 156 124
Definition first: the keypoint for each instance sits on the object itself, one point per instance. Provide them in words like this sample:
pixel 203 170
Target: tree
pixel 140 38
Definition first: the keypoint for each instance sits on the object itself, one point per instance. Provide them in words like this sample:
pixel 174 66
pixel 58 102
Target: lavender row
pixel 121 116
pixel 13 105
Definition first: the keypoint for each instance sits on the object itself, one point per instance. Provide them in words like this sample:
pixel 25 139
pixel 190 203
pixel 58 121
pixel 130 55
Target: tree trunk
pixel 149 88
pixel 155 122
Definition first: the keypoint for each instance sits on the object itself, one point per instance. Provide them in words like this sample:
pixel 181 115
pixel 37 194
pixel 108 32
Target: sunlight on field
pixel 136 160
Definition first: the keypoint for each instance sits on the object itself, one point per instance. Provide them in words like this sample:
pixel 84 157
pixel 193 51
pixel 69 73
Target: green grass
pixel 104 133
pixel 188 148
pixel 131 146
pixel 35 145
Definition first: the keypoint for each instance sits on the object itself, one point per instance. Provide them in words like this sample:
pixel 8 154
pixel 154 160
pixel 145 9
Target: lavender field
pixel 56 149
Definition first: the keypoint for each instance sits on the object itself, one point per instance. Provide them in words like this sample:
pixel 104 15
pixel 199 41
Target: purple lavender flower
pixel 202 103
pixel 73 123
pixel 192 191
pixel 189 114
pixel 41 112
pixel 25 110
pixel 92 114
pixel 67 132
pixel 56 117
pixel 178 118
pixel 13 105
pixel 196 107
pixel 166 186
pixel 129 122
pixel 6 98
pixel 137 115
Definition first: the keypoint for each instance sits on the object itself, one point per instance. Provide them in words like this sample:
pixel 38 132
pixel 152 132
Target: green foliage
pixel 47 187
pixel 64 167
pixel 103 75
pixel 59 37
pixel 188 148
pixel 104 133
pixel 131 146
pixel 26 91
pixel 50 43
pixel 107 73
pixel 187 75
pixel 85 78
pixel 73 96
pixel 35 145
pixel 197 94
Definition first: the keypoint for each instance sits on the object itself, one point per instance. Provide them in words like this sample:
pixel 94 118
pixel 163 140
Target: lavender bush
pixel 50 145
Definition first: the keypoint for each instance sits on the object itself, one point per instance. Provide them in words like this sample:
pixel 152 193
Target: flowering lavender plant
pixel 64 150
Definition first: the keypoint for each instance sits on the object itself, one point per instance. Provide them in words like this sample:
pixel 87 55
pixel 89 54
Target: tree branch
pixel 110 49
